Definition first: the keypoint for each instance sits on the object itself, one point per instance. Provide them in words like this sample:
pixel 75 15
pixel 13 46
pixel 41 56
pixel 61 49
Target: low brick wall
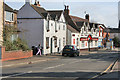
pixel 12 55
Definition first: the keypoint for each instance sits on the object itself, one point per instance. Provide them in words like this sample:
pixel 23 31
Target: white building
pixel 39 26
pixel 1 22
pixel 83 31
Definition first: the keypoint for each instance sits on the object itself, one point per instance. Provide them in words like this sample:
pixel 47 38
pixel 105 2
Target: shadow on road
pixel 60 76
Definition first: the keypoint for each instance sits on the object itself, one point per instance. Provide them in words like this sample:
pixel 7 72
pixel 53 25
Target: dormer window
pixel 47 26
pixel 56 27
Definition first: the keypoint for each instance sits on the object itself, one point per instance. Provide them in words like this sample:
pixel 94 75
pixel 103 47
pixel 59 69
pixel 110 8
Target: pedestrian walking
pixel 39 49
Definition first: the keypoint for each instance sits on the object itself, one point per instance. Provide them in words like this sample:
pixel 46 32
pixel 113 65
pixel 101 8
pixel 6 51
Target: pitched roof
pixel 8 8
pixel 78 19
pixel 80 24
pixel 70 22
pixel 55 14
pixel 113 30
pixel 40 10
pixel 72 29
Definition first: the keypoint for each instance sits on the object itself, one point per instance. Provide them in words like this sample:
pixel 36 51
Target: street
pixel 84 67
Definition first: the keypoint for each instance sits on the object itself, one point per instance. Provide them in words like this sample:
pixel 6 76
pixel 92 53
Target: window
pixel 9 16
pixel 47 42
pixel 55 27
pixel 55 41
pixel 82 44
pixel 63 27
pixel 51 24
pixel 82 31
pixel 59 26
pixel 77 42
pixel 95 43
pixel 12 17
pixel 92 43
pixel 47 26
pixel 63 41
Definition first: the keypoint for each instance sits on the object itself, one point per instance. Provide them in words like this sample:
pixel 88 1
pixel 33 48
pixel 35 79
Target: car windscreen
pixel 70 47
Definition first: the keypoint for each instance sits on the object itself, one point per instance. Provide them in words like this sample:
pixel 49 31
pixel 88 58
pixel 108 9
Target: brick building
pixel 1 22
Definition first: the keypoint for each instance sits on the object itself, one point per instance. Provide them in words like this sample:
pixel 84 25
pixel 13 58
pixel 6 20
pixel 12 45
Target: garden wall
pixel 12 55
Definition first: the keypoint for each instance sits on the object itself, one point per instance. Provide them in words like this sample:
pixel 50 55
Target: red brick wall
pixel 12 55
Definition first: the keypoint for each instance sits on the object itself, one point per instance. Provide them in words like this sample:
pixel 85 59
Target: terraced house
pixel 39 26
pixel 81 32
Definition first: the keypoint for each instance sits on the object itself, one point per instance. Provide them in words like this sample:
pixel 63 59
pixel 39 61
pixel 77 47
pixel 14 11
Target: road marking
pixel 46 77
pixel 102 72
pixel 53 67
pixel 17 74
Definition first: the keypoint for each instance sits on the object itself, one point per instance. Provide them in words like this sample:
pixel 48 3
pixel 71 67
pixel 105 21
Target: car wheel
pixel 65 55
pixel 62 54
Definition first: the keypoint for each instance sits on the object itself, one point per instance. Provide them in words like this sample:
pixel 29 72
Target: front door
pixel 51 46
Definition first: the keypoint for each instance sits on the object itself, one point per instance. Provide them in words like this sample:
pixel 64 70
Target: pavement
pixel 34 59
pixel 43 58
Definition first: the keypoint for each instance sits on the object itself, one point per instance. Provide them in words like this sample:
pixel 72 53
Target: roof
pixel 78 19
pixel 9 9
pixel 80 24
pixel 70 22
pixel 40 10
pixel 72 29
pixel 55 14
pixel 113 30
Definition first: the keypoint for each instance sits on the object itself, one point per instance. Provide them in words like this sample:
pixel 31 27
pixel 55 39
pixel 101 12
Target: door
pixel 51 46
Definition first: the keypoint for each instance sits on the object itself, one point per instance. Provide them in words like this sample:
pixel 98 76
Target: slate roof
pixel 70 22
pixel 113 30
pixel 40 10
pixel 78 19
pixel 72 29
pixel 9 9
pixel 80 24
pixel 55 14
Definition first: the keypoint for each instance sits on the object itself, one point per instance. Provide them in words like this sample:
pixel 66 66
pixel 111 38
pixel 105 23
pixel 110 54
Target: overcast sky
pixel 104 12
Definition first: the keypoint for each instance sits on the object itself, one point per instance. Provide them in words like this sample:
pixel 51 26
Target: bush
pixel 16 45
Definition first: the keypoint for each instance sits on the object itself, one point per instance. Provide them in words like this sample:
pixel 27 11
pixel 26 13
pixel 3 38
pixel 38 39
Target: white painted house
pixel 39 26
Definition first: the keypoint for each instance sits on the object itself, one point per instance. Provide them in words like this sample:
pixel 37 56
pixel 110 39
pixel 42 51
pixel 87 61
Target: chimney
pixel 119 24
pixel 38 3
pixel 27 1
pixel 35 2
pixel 66 10
pixel 87 17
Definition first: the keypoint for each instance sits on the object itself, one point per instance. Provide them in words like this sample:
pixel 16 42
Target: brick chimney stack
pixel 66 10
pixel 28 1
pixel 87 17
pixel 37 3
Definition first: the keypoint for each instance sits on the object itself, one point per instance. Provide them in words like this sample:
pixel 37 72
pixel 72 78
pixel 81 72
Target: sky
pixel 100 11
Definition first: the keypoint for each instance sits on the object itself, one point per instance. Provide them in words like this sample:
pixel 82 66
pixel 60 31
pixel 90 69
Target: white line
pixel 17 74
pixel 44 77
pixel 53 67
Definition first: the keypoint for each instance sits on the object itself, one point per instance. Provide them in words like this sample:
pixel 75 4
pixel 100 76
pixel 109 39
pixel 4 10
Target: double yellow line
pixel 104 71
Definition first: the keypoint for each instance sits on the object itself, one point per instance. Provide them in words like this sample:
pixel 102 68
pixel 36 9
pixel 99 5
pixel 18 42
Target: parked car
pixel 70 50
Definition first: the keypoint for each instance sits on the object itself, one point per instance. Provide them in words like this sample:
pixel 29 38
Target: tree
pixel 17 44
pixel 116 41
